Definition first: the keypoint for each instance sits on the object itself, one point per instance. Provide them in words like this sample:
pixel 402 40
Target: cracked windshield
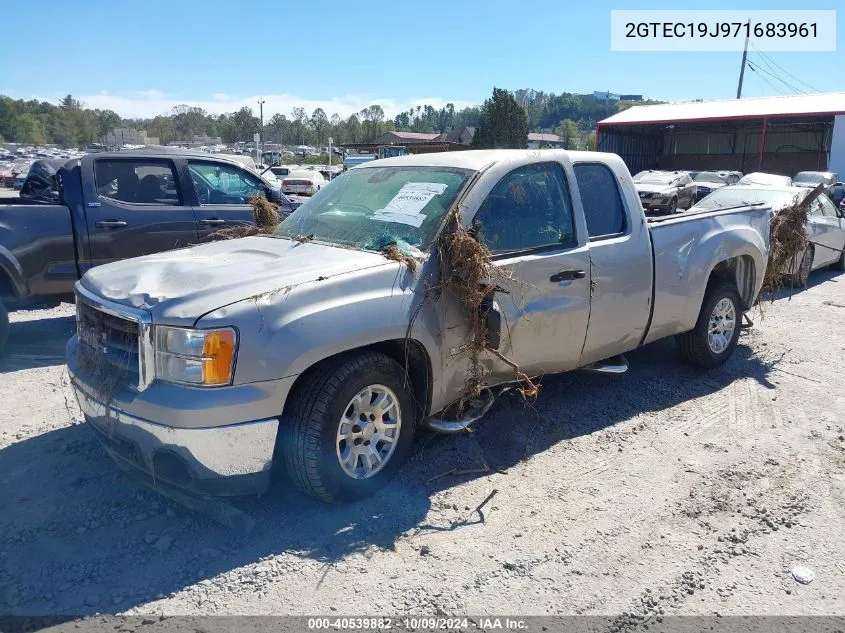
pixel 374 207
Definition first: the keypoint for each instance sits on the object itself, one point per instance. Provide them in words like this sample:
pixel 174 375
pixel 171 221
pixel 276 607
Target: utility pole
pixel 744 56
pixel 261 107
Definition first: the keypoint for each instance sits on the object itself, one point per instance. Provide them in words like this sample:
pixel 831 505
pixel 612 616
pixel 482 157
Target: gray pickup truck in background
pixel 312 349
pixel 76 214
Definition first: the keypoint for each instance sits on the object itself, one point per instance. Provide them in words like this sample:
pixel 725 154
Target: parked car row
pixel 670 191
pixel 825 230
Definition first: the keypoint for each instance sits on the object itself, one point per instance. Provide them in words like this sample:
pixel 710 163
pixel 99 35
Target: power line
pixel 758 69
pixel 769 83
pixel 782 69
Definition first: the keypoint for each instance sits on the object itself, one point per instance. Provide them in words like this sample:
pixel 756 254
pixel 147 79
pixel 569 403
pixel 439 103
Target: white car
pixel 766 180
pixel 306 183
pixel 825 224
pixel 280 171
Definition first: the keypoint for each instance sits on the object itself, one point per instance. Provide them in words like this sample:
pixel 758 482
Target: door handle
pixel 213 221
pixel 110 224
pixel 567 275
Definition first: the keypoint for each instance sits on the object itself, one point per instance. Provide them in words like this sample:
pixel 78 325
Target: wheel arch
pixel 410 353
pixel 740 270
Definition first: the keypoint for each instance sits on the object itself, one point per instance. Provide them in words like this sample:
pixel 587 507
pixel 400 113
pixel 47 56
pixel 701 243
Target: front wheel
pixel 349 427
pixel 716 332
pixel 673 205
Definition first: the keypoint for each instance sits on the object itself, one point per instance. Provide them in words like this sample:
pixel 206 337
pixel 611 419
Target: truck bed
pixel 27 231
pixel 685 246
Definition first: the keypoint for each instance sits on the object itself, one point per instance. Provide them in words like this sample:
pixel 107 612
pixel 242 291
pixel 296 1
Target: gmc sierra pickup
pixel 312 349
pixel 109 206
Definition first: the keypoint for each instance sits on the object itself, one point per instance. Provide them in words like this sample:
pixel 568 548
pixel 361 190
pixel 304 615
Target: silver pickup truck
pixel 312 349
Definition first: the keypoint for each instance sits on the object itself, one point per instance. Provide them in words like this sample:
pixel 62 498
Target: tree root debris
pixel 467 270
pixel 787 240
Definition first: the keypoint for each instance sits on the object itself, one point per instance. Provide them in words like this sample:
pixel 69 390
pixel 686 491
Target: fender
pixel 12 268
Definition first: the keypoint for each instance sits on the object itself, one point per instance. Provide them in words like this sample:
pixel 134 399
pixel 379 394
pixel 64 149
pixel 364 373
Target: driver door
pixel 222 192
pixel 528 224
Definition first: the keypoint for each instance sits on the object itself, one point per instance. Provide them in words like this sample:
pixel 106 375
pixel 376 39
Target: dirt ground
pixel 663 491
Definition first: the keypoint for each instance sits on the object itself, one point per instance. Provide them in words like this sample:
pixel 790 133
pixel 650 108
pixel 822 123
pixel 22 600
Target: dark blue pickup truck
pixel 110 206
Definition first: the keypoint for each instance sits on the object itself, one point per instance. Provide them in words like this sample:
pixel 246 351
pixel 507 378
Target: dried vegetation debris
pixel 265 215
pixel 787 240
pixel 468 271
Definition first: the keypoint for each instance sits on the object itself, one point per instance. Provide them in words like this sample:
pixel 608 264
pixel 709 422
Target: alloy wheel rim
pixel 368 432
pixel 722 325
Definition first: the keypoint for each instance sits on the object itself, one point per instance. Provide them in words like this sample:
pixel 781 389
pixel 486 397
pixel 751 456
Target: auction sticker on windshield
pixel 407 205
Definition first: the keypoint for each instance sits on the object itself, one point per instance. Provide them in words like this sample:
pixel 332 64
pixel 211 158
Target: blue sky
pixel 141 58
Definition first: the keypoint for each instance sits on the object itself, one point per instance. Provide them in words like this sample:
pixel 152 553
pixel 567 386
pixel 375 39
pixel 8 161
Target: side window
pixel 218 183
pixel 601 199
pixel 528 208
pixel 827 208
pixel 137 181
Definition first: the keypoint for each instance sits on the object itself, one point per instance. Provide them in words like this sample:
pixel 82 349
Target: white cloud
pixel 149 103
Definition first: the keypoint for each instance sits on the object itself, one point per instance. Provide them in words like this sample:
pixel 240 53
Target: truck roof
pixel 479 158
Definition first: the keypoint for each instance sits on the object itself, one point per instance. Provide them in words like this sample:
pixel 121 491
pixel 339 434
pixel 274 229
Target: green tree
pixel 503 124
pixel 245 124
pixel 298 118
pixel 569 134
pixel 319 123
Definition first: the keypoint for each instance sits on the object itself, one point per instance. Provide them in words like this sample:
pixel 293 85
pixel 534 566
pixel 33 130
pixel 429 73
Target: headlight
pixel 196 357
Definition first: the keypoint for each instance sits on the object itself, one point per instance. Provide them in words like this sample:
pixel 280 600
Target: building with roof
pixel 464 135
pixel 538 140
pixel 781 135
pixel 399 137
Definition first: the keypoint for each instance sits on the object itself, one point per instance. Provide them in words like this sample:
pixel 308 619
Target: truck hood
pixel 644 187
pixel 178 287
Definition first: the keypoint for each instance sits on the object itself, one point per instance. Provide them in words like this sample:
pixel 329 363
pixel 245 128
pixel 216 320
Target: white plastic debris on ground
pixel 804 575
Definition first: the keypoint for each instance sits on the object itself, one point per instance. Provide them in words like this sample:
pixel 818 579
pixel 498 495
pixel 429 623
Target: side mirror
pixel 273 195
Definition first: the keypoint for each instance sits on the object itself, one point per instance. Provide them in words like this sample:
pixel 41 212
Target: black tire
pixel 4 328
pixel 694 345
pixel 673 205
pixel 308 430
pixel 799 278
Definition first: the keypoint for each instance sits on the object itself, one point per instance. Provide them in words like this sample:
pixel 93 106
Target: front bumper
pixel 222 461
pixel 652 205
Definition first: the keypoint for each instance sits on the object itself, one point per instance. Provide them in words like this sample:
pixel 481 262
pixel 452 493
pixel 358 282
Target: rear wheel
pixel 799 278
pixel 716 332
pixel 349 427
pixel 4 328
pixel 840 263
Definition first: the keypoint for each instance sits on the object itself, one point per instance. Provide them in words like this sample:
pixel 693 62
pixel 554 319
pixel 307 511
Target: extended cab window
pixel 822 206
pixel 137 181
pixel 218 183
pixel 528 208
pixel 601 199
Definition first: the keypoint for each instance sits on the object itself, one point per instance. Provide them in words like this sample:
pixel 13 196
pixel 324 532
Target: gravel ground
pixel 663 491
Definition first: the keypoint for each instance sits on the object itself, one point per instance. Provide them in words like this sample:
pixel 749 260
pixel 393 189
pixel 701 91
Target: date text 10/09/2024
pixel 721 29
pixel 416 623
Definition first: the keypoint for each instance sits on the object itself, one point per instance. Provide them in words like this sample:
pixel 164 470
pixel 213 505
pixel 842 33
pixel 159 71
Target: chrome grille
pixel 111 338
pixel 114 338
